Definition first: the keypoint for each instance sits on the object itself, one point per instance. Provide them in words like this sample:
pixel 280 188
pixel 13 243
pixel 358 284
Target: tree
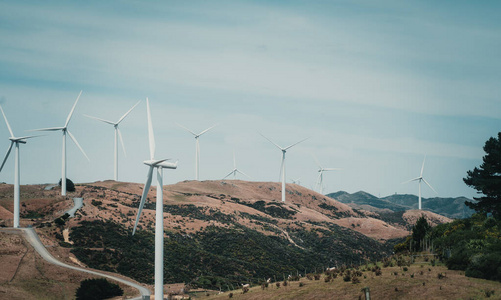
pixel 419 232
pixel 70 186
pixel 486 179
pixel 96 289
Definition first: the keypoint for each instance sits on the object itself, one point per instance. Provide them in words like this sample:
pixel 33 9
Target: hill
pixel 218 233
pixel 450 207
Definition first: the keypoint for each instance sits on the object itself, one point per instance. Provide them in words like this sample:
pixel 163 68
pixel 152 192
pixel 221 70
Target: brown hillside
pixel 118 201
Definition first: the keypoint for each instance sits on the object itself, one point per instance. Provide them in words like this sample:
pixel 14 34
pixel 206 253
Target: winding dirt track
pixel 32 237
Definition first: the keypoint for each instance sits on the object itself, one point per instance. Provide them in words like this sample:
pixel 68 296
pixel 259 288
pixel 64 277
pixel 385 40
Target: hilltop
pixel 450 207
pixel 218 233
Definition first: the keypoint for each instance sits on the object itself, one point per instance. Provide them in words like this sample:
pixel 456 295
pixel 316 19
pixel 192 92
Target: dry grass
pixel 387 286
pixel 29 276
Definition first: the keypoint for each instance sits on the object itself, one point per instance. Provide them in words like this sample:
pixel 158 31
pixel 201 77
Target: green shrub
pixel 96 289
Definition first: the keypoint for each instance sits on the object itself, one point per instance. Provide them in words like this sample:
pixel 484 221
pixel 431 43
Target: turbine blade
pixel 6 155
pixel 207 130
pixel 243 173
pixel 7 122
pixel 318 180
pixel 143 197
pixel 296 143
pixel 429 185
pixel 125 115
pixel 121 141
pixel 417 178
pixel 72 110
pixel 151 136
pixel 78 145
pixel 99 119
pixel 186 129
pixel 422 167
pixel 48 129
pixel 27 137
pixel 331 169
pixel 271 142
pixel 229 174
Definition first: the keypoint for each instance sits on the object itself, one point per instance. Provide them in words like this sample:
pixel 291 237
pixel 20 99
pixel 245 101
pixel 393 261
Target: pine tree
pixel 486 179
pixel 419 232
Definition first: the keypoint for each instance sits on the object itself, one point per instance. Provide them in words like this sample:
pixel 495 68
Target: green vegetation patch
pixel 217 257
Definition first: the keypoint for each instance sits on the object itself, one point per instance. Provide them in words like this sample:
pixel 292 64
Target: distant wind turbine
pixel 419 179
pixel 14 141
pixel 296 181
pixel 65 130
pixel 320 179
pixel 118 135
pixel 235 170
pixel 282 167
pixel 159 214
pixel 197 147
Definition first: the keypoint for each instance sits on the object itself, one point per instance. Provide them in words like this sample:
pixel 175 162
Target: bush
pixel 98 288
pixel 486 266
pixel 70 186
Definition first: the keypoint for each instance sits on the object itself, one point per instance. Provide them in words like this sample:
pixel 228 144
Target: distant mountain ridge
pixel 450 207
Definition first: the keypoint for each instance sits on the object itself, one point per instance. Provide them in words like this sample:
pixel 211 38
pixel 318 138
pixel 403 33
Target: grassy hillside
pixel 416 281
pixel 218 233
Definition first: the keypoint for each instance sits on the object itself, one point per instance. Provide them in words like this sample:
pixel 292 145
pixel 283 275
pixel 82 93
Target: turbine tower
pixel 320 179
pixel 419 179
pixel 14 141
pixel 235 170
pixel 118 134
pixel 159 165
pixel 65 130
pixel 282 167
pixel 197 147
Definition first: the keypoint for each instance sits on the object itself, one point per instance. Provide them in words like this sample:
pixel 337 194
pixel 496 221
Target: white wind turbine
pixel 235 170
pixel 65 130
pixel 320 179
pixel 419 179
pixel 282 167
pixel 296 181
pixel 158 164
pixel 14 141
pixel 197 147
pixel 118 134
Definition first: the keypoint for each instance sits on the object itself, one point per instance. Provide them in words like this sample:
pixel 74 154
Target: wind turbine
pixel 65 130
pixel 296 181
pixel 282 167
pixel 14 141
pixel 197 146
pixel 159 214
pixel 118 134
pixel 235 170
pixel 419 179
pixel 320 179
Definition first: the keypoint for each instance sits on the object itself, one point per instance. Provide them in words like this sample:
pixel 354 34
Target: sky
pixel 374 86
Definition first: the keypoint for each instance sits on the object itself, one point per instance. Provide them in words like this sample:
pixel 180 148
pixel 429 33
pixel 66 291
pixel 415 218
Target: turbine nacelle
pixel 161 163
pixel 18 140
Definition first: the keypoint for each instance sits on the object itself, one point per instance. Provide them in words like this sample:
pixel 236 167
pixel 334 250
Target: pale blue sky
pixel 375 85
